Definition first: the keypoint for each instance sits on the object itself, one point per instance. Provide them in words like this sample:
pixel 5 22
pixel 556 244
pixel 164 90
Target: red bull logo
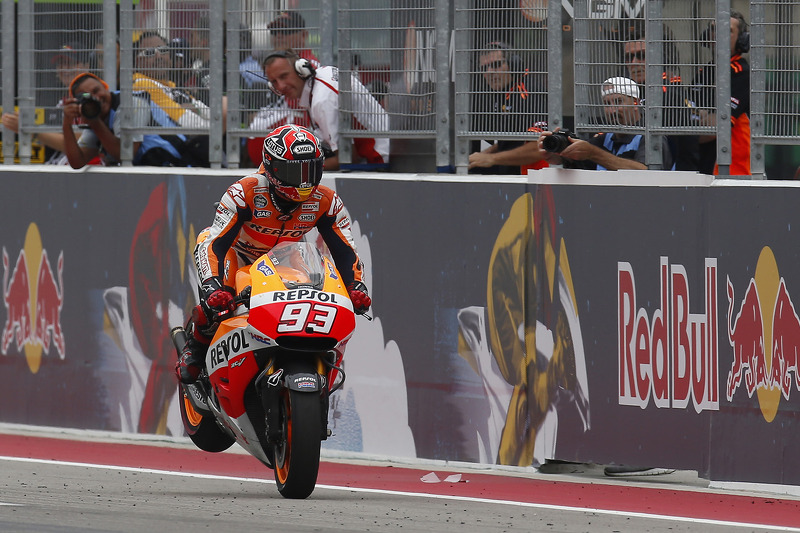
pixel 669 358
pixel 33 310
pixel 765 336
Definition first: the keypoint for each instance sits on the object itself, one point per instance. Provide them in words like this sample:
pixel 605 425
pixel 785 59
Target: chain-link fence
pixel 448 75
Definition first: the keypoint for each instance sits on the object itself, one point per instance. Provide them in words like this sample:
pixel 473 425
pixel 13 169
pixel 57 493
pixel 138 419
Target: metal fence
pixel 428 62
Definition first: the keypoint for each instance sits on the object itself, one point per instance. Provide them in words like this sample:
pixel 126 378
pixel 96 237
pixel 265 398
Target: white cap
pixel 620 85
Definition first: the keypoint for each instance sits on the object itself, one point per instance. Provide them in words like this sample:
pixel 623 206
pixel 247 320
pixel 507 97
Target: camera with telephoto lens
pixel 90 106
pixel 557 142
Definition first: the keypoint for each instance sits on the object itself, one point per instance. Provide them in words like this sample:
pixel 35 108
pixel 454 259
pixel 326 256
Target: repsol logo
pixel 277 231
pixel 228 346
pixel 304 294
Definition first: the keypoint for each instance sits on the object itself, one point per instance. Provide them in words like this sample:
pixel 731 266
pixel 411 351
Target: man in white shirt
pixel 317 90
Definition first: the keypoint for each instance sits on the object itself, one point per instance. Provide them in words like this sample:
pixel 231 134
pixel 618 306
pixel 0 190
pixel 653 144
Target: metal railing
pixel 421 59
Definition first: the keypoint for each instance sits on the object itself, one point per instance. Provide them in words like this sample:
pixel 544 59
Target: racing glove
pixel 359 296
pixel 216 299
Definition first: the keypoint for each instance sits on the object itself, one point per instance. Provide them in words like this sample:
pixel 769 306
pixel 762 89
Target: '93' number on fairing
pixel 307 316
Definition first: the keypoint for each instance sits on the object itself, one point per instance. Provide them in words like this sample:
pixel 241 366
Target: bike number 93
pixel 307 316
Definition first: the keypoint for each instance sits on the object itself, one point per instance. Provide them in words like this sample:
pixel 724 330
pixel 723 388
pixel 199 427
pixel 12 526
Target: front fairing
pixel 298 303
pixel 298 299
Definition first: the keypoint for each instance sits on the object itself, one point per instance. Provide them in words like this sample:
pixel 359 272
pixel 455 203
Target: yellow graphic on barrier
pixel 37 150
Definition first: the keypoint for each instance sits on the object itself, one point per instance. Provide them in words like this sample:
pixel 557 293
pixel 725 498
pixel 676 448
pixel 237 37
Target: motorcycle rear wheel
pixel 296 457
pixel 203 430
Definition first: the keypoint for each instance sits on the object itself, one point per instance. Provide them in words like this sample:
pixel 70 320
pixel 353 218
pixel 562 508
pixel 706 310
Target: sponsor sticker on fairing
pixel 305 383
pixel 227 347
pixel 264 268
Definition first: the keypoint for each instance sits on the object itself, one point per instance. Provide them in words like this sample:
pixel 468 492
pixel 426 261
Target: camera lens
pixel 90 106
pixel 556 142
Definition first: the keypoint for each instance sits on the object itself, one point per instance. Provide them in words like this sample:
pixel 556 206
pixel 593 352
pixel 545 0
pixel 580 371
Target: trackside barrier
pixel 614 317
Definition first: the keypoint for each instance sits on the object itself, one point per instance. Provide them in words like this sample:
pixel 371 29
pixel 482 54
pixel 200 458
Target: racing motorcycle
pixel 272 366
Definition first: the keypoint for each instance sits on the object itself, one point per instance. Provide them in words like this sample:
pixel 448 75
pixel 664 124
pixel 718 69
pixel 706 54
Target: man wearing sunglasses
pixel 677 106
pixel 170 107
pixel 153 64
pixel 506 102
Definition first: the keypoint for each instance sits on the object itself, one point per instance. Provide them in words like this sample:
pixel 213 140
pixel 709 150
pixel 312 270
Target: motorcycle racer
pixel 281 201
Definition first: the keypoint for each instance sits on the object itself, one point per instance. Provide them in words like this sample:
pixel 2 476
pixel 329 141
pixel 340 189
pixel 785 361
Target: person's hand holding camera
pixel 71 110
pixel 552 143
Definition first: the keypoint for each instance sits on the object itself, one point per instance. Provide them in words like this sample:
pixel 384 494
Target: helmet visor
pixel 303 173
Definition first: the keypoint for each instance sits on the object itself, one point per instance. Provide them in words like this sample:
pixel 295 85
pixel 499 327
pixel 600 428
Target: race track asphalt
pixel 68 484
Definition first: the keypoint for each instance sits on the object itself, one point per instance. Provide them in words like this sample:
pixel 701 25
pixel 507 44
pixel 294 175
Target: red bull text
pixel 671 357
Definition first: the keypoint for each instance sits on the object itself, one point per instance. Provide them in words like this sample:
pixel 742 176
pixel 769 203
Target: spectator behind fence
pixel 181 61
pixel 705 96
pixel 92 103
pixel 611 151
pixel 52 140
pixel 97 59
pixel 169 107
pixel 677 106
pixel 70 60
pixel 317 91
pixel 256 93
pixel 508 104
pixel 288 32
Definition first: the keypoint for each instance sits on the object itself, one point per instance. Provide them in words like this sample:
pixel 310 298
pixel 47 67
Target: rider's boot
pixel 190 361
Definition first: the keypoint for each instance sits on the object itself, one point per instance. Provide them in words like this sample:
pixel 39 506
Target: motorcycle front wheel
pixel 296 456
pixel 203 430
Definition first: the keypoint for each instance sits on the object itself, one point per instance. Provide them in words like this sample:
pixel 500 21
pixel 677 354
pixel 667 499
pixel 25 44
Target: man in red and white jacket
pixel 317 91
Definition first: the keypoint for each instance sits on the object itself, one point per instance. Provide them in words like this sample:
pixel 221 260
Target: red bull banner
pixel 514 323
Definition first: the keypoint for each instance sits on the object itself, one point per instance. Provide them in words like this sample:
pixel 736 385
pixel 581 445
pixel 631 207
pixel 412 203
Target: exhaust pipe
pixel 179 338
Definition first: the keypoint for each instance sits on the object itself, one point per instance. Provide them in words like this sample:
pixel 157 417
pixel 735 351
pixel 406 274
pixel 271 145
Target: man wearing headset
pixel 317 91
pixel 705 92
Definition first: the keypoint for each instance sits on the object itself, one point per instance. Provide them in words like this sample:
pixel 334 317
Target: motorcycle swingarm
pixel 198 398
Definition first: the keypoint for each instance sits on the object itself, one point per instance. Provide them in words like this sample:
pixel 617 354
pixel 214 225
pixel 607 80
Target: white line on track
pixel 418 495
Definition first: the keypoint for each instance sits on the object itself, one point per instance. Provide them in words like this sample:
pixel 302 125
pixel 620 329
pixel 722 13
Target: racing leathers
pixel 248 223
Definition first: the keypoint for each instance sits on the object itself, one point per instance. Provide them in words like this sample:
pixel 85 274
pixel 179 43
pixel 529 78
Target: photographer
pixel 91 104
pixel 607 151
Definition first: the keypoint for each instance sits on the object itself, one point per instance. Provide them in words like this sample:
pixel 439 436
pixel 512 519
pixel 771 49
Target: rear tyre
pixel 296 457
pixel 203 430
